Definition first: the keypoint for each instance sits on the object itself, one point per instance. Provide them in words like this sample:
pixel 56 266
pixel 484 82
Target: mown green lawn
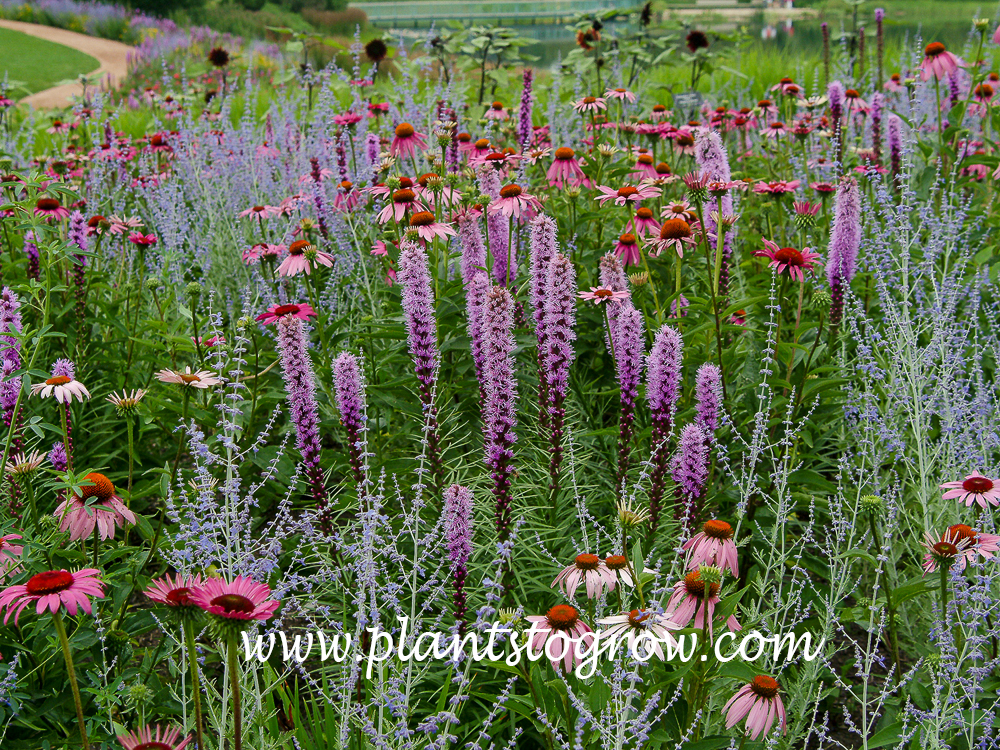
pixel 38 64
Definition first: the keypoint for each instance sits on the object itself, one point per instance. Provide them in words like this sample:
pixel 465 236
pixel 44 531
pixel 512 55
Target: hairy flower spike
pixel 689 472
pixel 349 388
pixel 457 517
pixel 708 393
pixel 559 320
pixel 663 378
pixel 630 354
pixel 845 242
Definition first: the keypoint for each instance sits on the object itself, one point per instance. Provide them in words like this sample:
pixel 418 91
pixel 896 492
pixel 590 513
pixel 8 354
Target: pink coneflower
pixel 427 227
pixel 142 240
pixel 347 119
pixel 787 87
pixel 778 187
pixel 760 703
pixel 767 108
pixel 260 212
pixel 154 738
pixel 63 388
pixel 938 62
pixel 713 545
pixel 644 168
pixel 796 262
pixel 262 250
pixel 497 111
pixel 823 188
pixel 563 627
pixel 640 629
pixel 302 254
pixel 478 151
pixel 947 550
pixel 693 598
pixel 589 570
pixel 347 197
pixel 975 488
pixel 626 194
pixel 895 83
pixel 674 235
pixel 403 200
pixel 854 102
pixel 106 512
pixel 805 208
pixel 210 343
pixel 980 543
pixel 679 210
pixel 278 311
pixel 598 295
pixel 50 208
pixel 565 168
pixel 201 379
pixel 622 95
pixel 9 554
pixel 243 599
pixel 407 141
pixel 51 590
pixel 644 222
pixel 627 249
pixel 590 104
pixel 123 224
pixel 683 142
pixel 174 591
pixel 513 202
pixel 774 130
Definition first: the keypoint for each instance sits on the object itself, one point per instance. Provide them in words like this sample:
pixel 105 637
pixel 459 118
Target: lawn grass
pixel 37 64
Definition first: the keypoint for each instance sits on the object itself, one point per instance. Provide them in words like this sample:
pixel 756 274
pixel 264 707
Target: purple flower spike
pixel 543 247
pixel 630 352
pixel 845 242
pixel 475 301
pixel 689 472
pixel 560 318
pixel 470 237
pixel 497 227
pixel 524 130
pixel 457 518
pixel 663 379
pixel 708 394
pixel 349 387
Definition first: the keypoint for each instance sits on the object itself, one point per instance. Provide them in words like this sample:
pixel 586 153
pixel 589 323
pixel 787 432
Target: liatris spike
pixel 349 387
pixel 421 327
pixel 835 94
pixel 300 389
pixel 630 353
pixel 845 242
pixel 612 276
pixel 879 46
pixel 524 124
pixel 475 301
pixel 826 52
pixel 689 472
pixel 372 148
pixel 31 251
pixel 10 362
pixel 497 227
pixel 861 52
pixel 457 517
pixel 317 176
pixel 500 404
pixel 470 237
pixel 894 138
pixel 542 245
pixel 875 112
pixel 77 235
pixel 560 318
pixel 663 378
pixel 708 396
pixel 712 160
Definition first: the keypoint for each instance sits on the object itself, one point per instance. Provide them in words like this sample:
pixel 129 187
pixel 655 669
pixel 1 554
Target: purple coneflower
pixel 757 701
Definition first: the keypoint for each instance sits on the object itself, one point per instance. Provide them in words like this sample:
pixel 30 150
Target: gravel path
pixel 111 55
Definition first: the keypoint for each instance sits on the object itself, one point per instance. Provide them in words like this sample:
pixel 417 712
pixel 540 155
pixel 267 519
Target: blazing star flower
pixel 693 598
pixel 277 311
pixel 597 295
pixel 154 738
pixel 52 590
pixel 627 249
pixel 302 254
pixel 640 629
pixel 590 104
pixel 626 194
pixel 407 141
pixel 427 227
pixel 63 387
pixel 50 208
pixel 513 202
pixel 951 548
pixel 562 626
pixel 174 591
pixel 106 513
pixel 242 599
pixel 589 570
pixel 795 262
pixel 9 554
pixel 938 62
pixel 757 701
pixel 713 545
pixel 565 169
pixel 674 235
pixel 975 488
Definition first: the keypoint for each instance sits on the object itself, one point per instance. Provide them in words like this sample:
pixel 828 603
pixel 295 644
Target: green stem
pixel 131 453
pixel 893 639
pixel 944 596
pixel 71 672
pixel 234 680
pixel 195 685
pixel 63 408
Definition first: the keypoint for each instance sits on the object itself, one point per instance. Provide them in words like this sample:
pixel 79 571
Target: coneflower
pixel 663 379
pixel 835 95
pixel 500 404
pixel 875 112
pixel 524 130
pixel 630 351
pixel 300 390
pixel 77 235
pixel 543 247
pixel 845 241
pixel 894 137
pixel 689 472
pixel 421 327
pixel 349 388
pixel 497 227
pixel 560 318
pixel 457 517
pixel 708 398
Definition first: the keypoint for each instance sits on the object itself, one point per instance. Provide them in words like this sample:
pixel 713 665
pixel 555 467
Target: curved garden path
pixel 112 56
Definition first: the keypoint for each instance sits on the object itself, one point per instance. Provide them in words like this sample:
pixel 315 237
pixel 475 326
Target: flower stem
pixel 63 408
pixel 131 453
pixel 195 685
pixel 68 656
pixel 237 708
pixel 944 596
pixel 893 639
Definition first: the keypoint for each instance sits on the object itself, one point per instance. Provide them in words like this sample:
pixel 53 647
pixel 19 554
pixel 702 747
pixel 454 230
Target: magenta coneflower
pixel 50 208
pixel 713 545
pixel 9 554
pixel 627 249
pixel 693 598
pixel 302 254
pixel 562 627
pixel 427 227
pixel 620 94
pixel 106 513
pixel 674 235
pixel 643 631
pixel 823 188
pixel 774 130
pixel 644 223
pixel 589 570
pixel 644 168
pixel 758 701
pixel 154 738
pixel 174 591
pixel 598 295
pixel 242 599
pixel 53 590
pixel 403 200
pixel 275 312
pixel 938 62
pixel 142 240
pixel 592 104
pixel 795 262
pixel 975 488
pixel 947 550
pixel 260 212
pixel 626 194
pixel 778 187
pixel 407 141
pixel 679 210
pixel 565 169
pixel 513 202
